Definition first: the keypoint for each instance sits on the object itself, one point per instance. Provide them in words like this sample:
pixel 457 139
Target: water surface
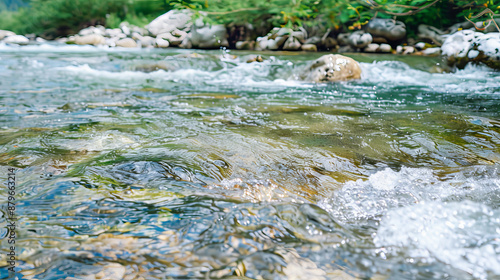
pixel 175 164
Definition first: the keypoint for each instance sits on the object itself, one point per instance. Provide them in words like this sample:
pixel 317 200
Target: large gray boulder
pixel 206 36
pixel 170 21
pixel 467 46
pixel 432 33
pixel 389 29
pixel 332 68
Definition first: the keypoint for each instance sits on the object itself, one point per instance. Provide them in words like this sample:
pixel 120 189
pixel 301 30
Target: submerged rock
pixel 332 68
pixel 255 58
pixel 386 28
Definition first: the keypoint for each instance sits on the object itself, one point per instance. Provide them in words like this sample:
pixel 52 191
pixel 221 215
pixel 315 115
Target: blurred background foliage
pixel 53 18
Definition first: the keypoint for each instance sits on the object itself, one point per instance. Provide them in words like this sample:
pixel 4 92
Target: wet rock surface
pixel 332 68
pixel 386 28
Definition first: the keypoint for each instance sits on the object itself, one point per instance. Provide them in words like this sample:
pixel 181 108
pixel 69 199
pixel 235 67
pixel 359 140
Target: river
pixel 189 164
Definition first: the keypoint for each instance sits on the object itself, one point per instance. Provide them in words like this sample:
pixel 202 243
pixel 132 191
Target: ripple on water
pixel 150 164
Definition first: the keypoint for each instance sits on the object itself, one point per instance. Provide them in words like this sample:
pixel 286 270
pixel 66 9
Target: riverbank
pixel 459 44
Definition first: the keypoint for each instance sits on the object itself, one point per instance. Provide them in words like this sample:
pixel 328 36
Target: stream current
pixel 189 164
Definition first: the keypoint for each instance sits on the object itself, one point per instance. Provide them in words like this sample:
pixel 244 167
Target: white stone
pixel 99 30
pixel 161 43
pixel 170 21
pixel 175 38
pixel 127 43
pixel 408 50
pixel 186 43
pixel 16 39
pixel 472 54
pixel 292 44
pixel 146 41
pixel 489 44
pixel 125 30
pixel 115 32
pixel 432 51
pixel 309 48
pixel 459 43
pixel 360 39
pixel 420 45
pixel 385 48
pixel 6 33
pixel 371 48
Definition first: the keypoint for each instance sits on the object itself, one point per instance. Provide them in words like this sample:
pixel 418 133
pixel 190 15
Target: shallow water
pixel 164 164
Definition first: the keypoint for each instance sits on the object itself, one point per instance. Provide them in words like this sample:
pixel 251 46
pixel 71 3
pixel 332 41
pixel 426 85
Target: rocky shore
pixel 460 44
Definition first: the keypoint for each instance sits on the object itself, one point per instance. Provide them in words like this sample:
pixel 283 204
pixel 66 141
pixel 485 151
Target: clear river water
pixel 189 164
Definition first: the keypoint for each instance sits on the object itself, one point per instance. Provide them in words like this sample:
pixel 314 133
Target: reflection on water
pixel 161 163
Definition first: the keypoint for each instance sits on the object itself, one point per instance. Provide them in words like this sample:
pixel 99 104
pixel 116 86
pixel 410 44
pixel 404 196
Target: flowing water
pixel 182 164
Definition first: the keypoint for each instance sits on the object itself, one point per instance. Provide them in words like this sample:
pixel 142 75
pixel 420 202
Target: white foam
pixel 464 235
pixel 391 74
pixel 241 75
pixel 388 189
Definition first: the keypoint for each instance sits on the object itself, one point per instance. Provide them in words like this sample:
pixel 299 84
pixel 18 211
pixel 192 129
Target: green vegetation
pixel 51 18
pixel 352 14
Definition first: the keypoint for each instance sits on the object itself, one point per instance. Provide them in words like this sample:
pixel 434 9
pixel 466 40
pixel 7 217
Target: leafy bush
pixel 337 13
pixel 53 18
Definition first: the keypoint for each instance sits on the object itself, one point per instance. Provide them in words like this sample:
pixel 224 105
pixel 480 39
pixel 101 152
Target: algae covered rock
pixel 332 68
